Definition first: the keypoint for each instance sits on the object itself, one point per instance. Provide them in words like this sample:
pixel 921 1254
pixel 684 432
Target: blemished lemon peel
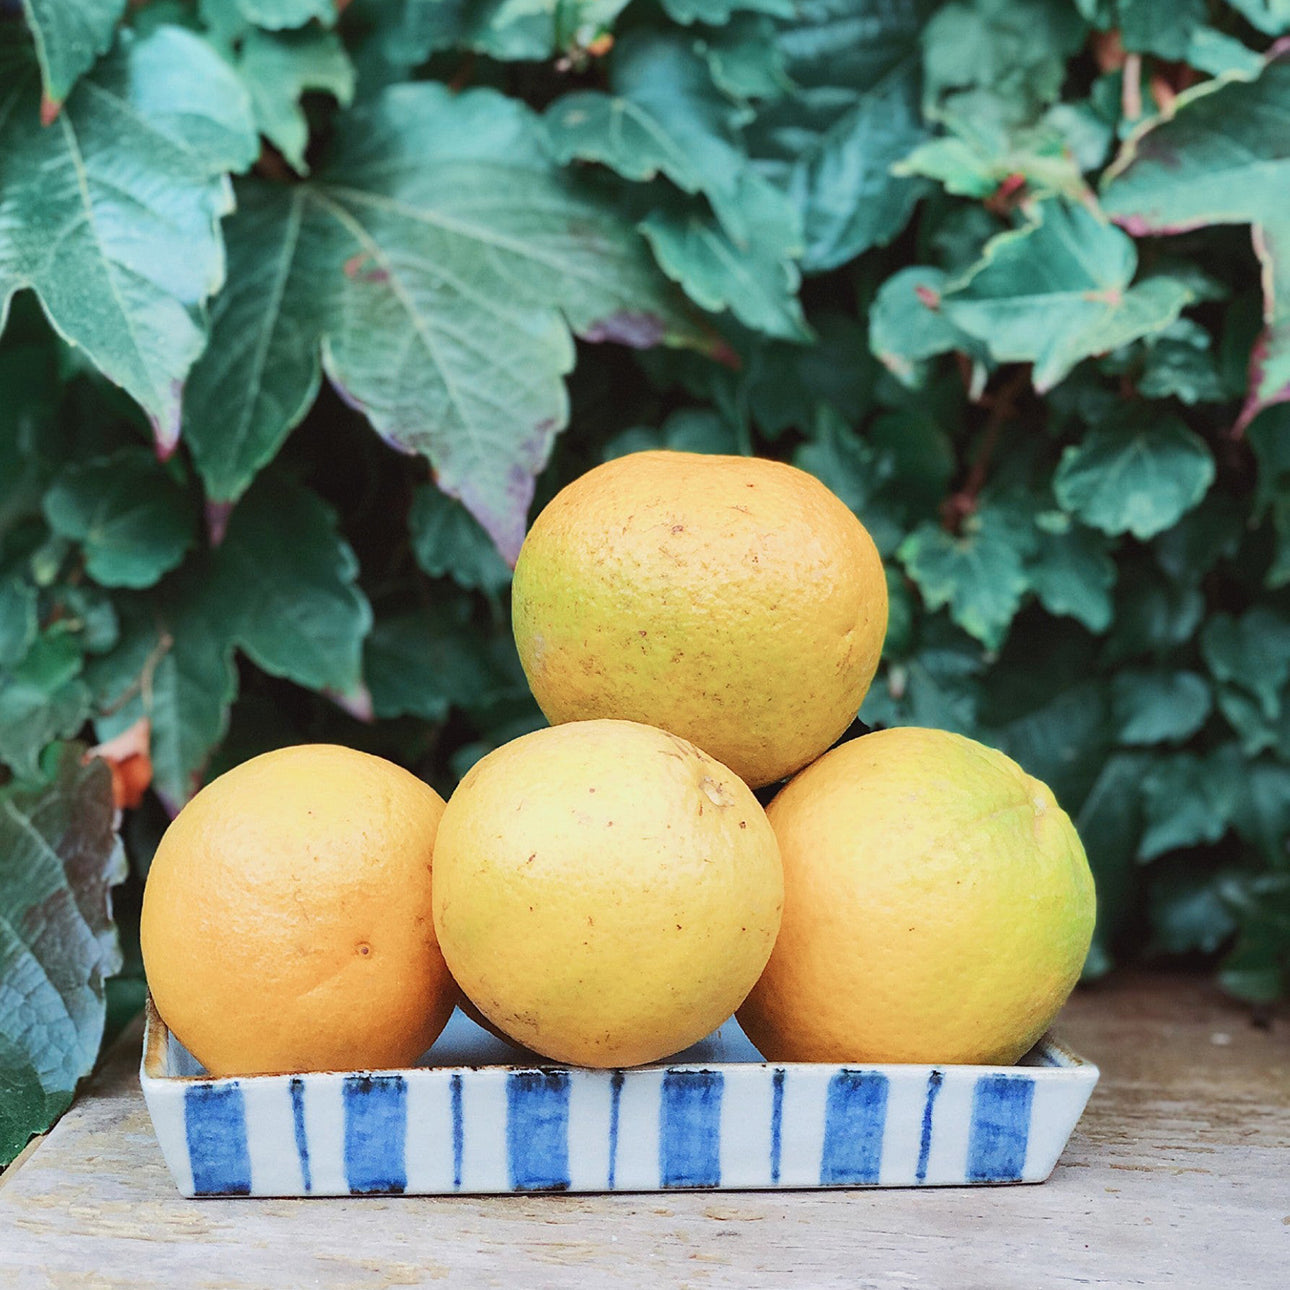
pixel 605 893
pixel 286 920
pixel 938 907
pixel 732 600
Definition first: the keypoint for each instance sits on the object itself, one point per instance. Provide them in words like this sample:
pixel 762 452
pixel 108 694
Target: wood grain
pixel 1178 1176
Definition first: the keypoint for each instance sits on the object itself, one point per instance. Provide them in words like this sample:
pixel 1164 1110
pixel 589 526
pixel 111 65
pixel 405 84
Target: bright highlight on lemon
pixel 605 893
pixel 734 601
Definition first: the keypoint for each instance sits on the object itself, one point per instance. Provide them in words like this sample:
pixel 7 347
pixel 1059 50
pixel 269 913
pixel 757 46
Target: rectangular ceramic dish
pixel 483 1117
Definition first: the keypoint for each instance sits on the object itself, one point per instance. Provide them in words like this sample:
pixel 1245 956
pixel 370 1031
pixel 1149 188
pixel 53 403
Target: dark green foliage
pixel 377 282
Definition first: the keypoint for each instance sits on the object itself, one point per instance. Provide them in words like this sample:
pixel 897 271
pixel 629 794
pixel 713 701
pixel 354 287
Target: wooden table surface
pixel 1178 1175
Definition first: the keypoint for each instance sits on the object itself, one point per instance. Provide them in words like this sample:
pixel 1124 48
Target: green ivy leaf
pixel 979 573
pixel 1062 738
pixel 18 621
pixel 1219 54
pixel 1152 615
pixel 447 540
pixel 1161 27
pixel 1057 290
pixel 70 35
pixel 981 151
pixel 1270 16
pixel 666 117
pixel 261 373
pixel 744 60
pixel 440 261
pixel 1218 159
pixel 1138 477
pixel 530 30
pixel 1252 652
pixel 278 70
pixel 88 611
pixel 423 662
pixel 277 15
pixel 1179 365
pixel 917 454
pixel 757 282
pixel 1190 799
pixel 1159 706
pixel 1187 909
pixel 281 587
pixel 686 430
pixel 1262 811
pixel 1071 571
pixel 58 944
pixel 907 325
pixel 132 521
pixel 1205 535
pixel 1256 731
pixel 29 380
pixel 841 461
pixel 831 145
pixel 716 13
pixel 42 698
pixel 129 183
pixel 174 665
pixel 1269 436
pixel 1109 823
pixel 285 583
pixel 1006 57
pixel 1271 444
pixel 1256 969
pixel 938 686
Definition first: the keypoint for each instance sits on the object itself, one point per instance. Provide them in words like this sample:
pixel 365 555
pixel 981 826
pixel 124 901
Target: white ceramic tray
pixel 483 1117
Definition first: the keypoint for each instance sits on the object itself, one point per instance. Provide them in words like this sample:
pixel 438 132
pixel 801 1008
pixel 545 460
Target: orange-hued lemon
pixel 605 893
pixel 733 601
pixel 286 919
pixel 938 906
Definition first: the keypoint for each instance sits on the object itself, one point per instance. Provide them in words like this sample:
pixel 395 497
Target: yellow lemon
pixel 605 893
pixel 286 918
pixel 938 907
pixel 733 601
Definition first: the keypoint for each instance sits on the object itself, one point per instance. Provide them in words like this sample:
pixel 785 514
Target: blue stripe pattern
pixel 615 1101
pixel 376 1125
pixel 537 1130
pixel 934 1082
pixel 855 1115
pixel 690 1103
pixel 215 1126
pixel 776 1124
pixel 689 1129
pixel 458 1129
pixel 1000 1128
pixel 302 1138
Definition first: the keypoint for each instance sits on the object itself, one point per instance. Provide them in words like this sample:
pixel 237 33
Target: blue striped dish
pixel 479 1119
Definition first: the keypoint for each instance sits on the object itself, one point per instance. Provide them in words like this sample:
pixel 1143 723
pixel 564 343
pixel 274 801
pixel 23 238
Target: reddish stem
pixel 1003 408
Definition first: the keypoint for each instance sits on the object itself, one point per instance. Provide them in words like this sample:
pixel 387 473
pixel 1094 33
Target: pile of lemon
pixel 609 890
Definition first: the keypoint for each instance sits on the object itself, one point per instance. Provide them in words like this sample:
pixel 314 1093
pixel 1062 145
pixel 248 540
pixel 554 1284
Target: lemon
pixel 286 919
pixel 733 601
pixel 938 907
pixel 605 893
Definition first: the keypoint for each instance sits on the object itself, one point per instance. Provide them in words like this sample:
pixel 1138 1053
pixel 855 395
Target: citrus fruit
pixel 605 893
pixel 938 906
pixel 731 600
pixel 286 918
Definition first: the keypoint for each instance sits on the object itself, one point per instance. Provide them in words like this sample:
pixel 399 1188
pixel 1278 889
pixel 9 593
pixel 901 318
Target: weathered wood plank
pixel 1178 1176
